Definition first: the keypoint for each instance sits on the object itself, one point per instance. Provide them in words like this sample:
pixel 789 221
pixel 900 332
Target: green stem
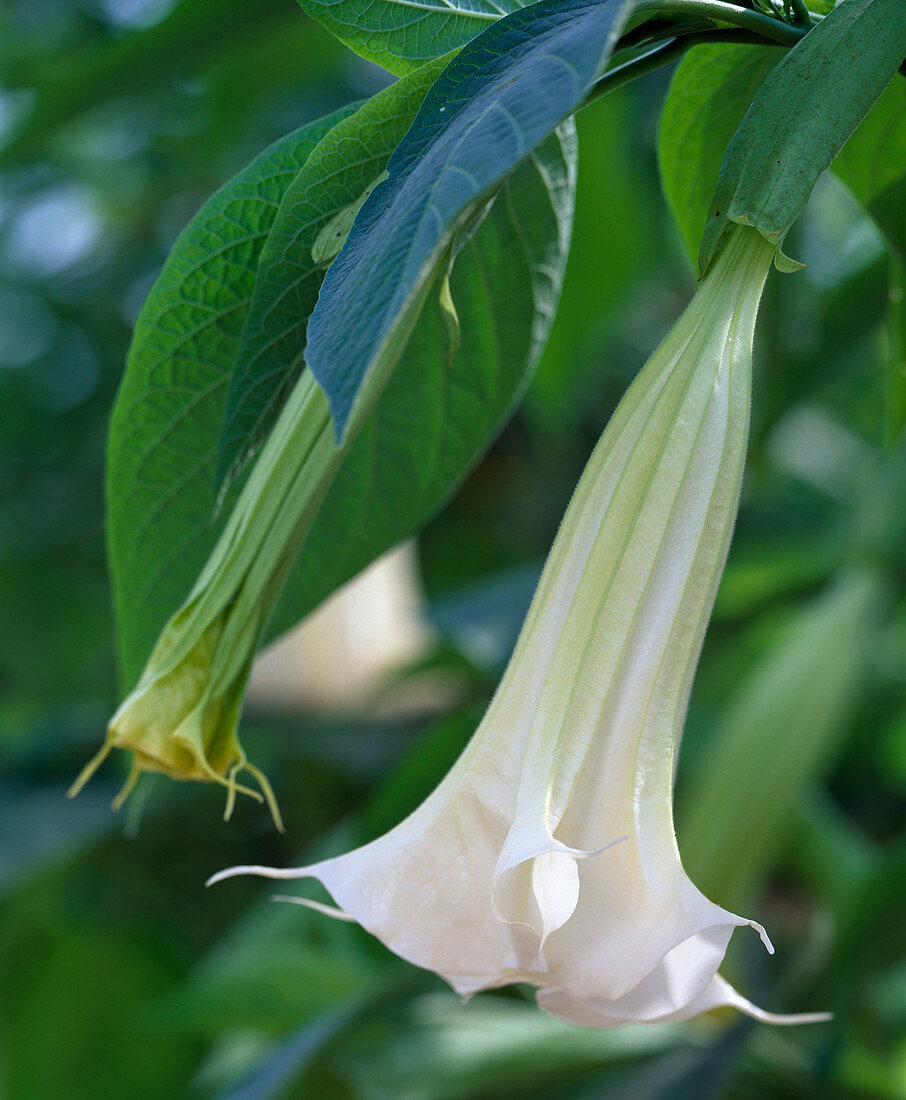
pixel 800 12
pixel 663 55
pixel 765 26
pixel 745 26
pixel 623 74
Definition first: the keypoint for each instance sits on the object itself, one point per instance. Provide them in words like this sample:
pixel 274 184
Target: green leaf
pixel 297 969
pixel 169 410
pixel 498 1047
pixel 872 164
pixel 436 417
pixel 284 1063
pixel 771 569
pixel 780 733
pixel 333 236
pixel 501 96
pixel 801 117
pixel 401 35
pixel 711 90
pixel 830 853
pixel 709 94
pixel 895 388
pixel 342 168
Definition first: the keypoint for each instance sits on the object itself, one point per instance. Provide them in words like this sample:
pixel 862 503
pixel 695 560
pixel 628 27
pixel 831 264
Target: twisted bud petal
pixel 548 854
pixel 181 717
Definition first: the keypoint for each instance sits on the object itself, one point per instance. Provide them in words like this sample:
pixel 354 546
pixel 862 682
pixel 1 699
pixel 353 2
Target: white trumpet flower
pixel 548 853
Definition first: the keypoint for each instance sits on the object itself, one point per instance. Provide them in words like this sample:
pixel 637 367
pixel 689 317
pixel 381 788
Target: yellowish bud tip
pixel 173 725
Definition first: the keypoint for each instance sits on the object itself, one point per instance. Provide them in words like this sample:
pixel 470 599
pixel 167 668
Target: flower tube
pixel 548 855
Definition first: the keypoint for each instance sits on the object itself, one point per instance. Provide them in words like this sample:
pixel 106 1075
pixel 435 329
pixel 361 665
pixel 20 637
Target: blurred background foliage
pixel 121 975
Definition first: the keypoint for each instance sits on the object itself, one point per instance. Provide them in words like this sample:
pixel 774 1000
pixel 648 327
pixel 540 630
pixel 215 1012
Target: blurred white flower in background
pixel 342 655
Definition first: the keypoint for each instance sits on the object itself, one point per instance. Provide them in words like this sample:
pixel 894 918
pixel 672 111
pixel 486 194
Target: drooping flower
pixel 548 854
pixel 181 717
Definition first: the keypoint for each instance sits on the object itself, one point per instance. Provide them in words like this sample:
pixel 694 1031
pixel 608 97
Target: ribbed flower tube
pixel 548 855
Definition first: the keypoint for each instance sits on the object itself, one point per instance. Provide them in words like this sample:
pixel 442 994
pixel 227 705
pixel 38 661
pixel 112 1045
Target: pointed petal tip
pixel 318 906
pixel 90 768
pixel 726 995
pixel 252 869
pixel 510 860
pixel 588 853
pixel 229 872
pixel 793 1019
pixel 765 938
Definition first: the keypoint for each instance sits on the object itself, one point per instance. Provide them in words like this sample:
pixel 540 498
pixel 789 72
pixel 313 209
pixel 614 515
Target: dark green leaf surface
pixel 872 164
pixel 710 93
pixel 344 164
pixel 802 116
pixel 168 414
pixel 437 416
pixel 502 95
pixel 401 35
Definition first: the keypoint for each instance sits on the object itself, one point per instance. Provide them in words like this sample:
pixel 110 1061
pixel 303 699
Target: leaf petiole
pixel 798 12
pixel 664 54
pixel 765 26
pixel 746 27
